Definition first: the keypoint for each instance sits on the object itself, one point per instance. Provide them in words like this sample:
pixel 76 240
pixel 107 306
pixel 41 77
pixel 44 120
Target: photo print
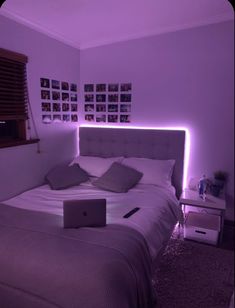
pixel 89 98
pixel 64 85
pixel 55 84
pixel 73 97
pixel 46 118
pixel 66 117
pixel 74 107
pixel 125 118
pixel 101 87
pixel 65 107
pixel 125 87
pixel 46 107
pixel 126 98
pixel 74 117
pixel 100 108
pixel 57 118
pixel 65 96
pixel 113 98
pixel 100 118
pixel 45 94
pixel 113 108
pixel 89 107
pixel 55 95
pixel 113 87
pixel 73 87
pixel 125 108
pixel 89 87
pixel 56 107
pixel 100 98
pixel 113 118
pixel 89 117
pixel 45 82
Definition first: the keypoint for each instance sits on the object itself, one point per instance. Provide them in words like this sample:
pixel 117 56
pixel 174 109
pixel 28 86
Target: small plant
pixel 221 176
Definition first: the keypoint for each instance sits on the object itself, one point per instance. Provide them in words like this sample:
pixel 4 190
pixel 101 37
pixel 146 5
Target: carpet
pixel 194 275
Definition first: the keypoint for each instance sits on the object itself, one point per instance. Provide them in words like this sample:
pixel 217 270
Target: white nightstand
pixel 190 201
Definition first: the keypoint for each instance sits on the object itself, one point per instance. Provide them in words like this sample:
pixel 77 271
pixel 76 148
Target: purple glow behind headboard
pixel 132 142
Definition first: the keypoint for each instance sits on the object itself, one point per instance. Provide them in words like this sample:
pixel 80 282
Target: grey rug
pixel 194 275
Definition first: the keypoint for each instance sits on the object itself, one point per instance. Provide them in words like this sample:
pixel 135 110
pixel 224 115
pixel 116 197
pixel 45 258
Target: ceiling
pixel 89 23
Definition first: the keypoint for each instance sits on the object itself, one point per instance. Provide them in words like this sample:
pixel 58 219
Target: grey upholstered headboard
pixel 128 142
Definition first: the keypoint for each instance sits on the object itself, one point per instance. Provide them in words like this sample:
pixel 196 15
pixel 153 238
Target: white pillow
pixel 95 166
pixel 156 172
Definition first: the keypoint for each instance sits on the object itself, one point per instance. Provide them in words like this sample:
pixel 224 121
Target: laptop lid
pixel 84 213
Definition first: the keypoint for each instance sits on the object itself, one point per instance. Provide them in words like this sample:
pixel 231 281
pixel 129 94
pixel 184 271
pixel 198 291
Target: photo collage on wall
pixel 59 101
pixel 109 103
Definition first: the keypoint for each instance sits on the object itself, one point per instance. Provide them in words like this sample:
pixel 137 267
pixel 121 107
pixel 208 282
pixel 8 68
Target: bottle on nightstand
pixel 202 187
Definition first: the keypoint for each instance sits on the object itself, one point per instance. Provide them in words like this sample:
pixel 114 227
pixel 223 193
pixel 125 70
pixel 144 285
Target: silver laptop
pixel 84 213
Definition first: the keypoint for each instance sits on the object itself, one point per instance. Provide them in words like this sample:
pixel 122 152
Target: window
pixel 13 98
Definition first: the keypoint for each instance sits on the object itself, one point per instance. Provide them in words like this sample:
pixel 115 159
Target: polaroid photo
pixel 125 87
pixel 90 117
pixel 65 85
pixel 46 107
pixel 113 98
pixel 65 107
pixel 55 95
pixel 89 98
pixel 46 118
pixel 100 98
pixel 125 108
pixel 66 118
pixel 45 94
pixel 45 82
pixel 101 118
pixel 55 84
pixel 74 117
pixel 100 108
pixel 125 118
pixel 113 108
pixel 57 118
pixel 56 107
pixel 73 97
pixel 73 87
pixel 88 87
pixel 113 87
pixel 113 118
pixel 101 87
pixel 74 107
pixel 126 98
pixel 89 107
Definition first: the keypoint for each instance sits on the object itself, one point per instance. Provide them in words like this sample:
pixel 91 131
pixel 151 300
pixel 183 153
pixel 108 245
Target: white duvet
pixel 159 209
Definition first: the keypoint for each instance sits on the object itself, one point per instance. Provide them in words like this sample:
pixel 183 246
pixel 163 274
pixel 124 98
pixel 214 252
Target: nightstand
pixel 191 202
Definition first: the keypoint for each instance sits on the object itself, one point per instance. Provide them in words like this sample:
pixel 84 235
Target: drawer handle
pixel 201 232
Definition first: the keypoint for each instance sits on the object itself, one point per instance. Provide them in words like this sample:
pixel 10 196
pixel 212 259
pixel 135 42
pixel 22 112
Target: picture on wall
pixel 101 118
pixel 113 87
pixel 55 84
pixel 65 107
pixel 57 118
pixel 89 117
pixel 46 118
pixel 100 98
pixel 113 98
pixel 64 96
pixel 46 107
pixel 101 87
pixel 110 102
pixel 125 87
pixel 64 85
pixel 89 98
pixel 45 82
pixel 45 94
pixel 73 87
pixel 88 88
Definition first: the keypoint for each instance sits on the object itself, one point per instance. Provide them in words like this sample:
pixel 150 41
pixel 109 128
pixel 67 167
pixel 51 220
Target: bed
pixel 44 265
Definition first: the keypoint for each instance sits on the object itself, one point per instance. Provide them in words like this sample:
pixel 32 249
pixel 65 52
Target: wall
pixel 183 78
pixel 22 167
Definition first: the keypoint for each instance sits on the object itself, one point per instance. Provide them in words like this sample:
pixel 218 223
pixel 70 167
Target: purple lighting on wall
pixel 186 147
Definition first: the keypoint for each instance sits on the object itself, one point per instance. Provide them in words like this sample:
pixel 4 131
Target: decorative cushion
pixel 95 166
pixel 118 178
pixel 156 172
pixel 62 177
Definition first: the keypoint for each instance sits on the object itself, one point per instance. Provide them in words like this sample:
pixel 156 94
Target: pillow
pixel 156 172
pixel 118 178
pixel 95 166
pixel 62 177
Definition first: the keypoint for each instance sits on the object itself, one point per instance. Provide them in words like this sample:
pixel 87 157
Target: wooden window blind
pixel 13 86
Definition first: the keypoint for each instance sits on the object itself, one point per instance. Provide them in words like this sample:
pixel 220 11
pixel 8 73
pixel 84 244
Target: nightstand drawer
pixel 190 208
pixel 202 227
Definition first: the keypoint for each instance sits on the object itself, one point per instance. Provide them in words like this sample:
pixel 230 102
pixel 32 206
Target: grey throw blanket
pixel 43 265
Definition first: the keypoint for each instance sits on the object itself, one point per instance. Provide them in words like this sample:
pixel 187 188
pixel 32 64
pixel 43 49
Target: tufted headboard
pixel 128 142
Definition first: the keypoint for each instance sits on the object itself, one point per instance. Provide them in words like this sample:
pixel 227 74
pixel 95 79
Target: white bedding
pixel 159 209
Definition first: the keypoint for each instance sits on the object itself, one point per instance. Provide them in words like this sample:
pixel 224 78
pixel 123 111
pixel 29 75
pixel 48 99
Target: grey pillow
pixel 62 177
pixel 118 178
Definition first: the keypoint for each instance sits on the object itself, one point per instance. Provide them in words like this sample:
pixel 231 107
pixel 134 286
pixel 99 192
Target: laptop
pixel 84 213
